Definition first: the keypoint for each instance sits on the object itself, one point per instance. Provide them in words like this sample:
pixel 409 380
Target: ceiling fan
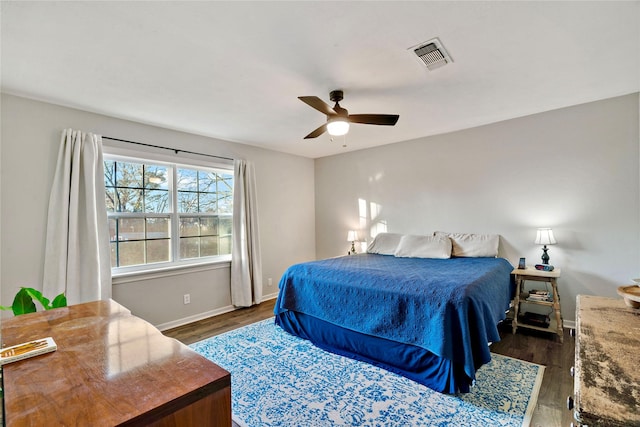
pixel 338 118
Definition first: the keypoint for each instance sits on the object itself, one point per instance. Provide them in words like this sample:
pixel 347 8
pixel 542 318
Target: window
pixel 166 214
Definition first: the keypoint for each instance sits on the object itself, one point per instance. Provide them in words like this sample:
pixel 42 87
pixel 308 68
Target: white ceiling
pixel 234 70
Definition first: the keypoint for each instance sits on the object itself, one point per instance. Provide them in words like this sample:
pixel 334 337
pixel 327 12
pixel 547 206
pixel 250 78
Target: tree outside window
pixel 146 229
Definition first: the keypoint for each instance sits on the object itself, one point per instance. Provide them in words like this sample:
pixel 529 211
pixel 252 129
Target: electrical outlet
pixel 269 281
pixel 187 298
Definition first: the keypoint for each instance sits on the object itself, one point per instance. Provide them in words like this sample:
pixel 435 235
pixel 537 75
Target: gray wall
pixel 575 170
pixel 30 140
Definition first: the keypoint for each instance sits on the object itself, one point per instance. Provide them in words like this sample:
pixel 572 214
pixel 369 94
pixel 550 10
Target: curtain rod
pixel 176 150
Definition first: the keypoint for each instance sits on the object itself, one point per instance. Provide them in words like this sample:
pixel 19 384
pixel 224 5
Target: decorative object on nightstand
pixel 631 295
pixel 544 236
pixel 352 236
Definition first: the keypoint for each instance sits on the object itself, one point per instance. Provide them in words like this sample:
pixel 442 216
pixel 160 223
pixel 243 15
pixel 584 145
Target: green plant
pixel 23 301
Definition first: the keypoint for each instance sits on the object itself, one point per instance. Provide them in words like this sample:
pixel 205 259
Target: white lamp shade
pixel 338 127
pixel 544 236
pixel 352 236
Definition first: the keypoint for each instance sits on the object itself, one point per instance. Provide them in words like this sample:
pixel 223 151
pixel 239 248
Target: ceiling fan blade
pixel 374 119
pixel 316 133
pixel 318 104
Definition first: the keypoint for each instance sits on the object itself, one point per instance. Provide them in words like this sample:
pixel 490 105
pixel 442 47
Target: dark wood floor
pixel 532 346
pixel 558 358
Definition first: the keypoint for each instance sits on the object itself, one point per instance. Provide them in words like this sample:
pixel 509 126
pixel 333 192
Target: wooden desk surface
pixel 110 368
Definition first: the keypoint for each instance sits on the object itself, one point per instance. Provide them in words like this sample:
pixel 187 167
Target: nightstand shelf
pixel 523 300
pixel 553 326
pixel 532 274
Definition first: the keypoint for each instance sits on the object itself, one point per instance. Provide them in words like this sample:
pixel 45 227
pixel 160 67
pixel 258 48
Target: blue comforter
pixel 449 307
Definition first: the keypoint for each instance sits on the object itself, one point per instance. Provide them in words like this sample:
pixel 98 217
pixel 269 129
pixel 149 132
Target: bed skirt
pixel 413 362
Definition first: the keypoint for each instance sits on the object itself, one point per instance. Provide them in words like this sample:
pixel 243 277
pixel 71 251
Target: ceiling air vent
pixel 432 53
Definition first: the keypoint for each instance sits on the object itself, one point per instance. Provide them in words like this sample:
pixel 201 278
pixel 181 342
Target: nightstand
pixel 523 297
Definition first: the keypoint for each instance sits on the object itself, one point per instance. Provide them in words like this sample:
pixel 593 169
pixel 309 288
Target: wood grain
pixel 110 369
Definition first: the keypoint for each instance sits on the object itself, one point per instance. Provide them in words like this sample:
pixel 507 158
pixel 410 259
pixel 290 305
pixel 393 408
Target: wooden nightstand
pixel 522 297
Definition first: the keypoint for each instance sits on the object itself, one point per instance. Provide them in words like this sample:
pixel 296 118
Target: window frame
pixel 126 155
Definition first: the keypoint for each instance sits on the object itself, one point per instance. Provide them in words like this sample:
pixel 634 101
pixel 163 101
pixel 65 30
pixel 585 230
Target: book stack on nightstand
pixel 539 295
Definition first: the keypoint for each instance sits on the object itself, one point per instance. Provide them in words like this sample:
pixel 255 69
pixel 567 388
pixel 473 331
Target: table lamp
pixel 352 236
pixel 544 236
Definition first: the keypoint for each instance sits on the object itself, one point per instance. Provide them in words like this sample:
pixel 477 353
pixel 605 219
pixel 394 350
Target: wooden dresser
pixel 110 369
pixel 607 363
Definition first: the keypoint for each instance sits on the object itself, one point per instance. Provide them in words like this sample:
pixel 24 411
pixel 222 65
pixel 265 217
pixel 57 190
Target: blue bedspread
pixel 449 307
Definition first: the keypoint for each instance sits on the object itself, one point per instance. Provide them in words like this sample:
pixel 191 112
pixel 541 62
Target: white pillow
pixel 384 244
pixel 424 247
pixel 473 245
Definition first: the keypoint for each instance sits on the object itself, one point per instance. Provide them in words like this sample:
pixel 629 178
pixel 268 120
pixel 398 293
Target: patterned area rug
pixel 281 380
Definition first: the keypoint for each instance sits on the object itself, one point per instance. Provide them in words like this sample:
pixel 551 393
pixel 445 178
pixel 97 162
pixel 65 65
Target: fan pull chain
pixel 344 140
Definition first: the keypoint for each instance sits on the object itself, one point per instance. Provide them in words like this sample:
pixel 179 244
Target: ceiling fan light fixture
pixel 338 127
pixel 338 118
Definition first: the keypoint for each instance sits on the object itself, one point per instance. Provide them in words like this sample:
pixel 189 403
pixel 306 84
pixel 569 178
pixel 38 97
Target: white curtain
pixel 246 263
pixel 77 260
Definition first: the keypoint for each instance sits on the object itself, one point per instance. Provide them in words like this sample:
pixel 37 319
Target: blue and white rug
pixel 281 380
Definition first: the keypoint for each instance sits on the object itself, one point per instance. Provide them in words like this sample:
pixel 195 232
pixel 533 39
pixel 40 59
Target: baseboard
pixel 571 324
pixel 205 315
pixel 194 318
pixel 270 296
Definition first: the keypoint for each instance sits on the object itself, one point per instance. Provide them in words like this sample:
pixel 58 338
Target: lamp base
pixel 353 249
pixel 545 255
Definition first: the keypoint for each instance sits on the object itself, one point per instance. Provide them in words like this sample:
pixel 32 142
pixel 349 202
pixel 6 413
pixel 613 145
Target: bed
pixel 430 319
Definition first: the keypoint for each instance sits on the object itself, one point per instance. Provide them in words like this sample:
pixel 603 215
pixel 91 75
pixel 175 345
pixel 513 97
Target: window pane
pixel 225 182
pixel 113 231
pixel 131 229
pixel 111 200
pixel 155 176
pixel 208 246
pixel 156 201
pixel 187 180
pixel 157 228
pixel 157 250
pixel 189 227
pixel 225 202
pixel 189 247
pixel 207 202
pixel 149 190
pixel 226 223
pixel 109 173
pixel 128 175
pixel 131 253
pixel 129 200
pixel 187 202
pixel 207 181
pixel 208 226
pixel 225 245
pixel 225 193
pixel 114 254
